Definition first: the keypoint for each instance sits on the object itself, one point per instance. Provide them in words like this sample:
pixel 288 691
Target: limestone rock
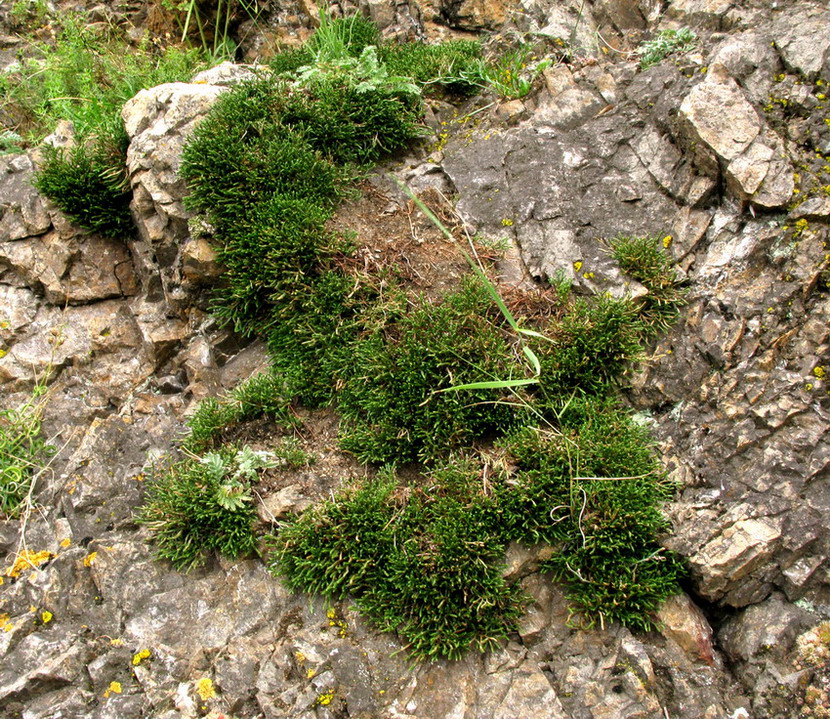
pixel 227 74
pixel 769 627
pixel 18 307
pixel 712 13
pixel 732 555
pixel 681 620
pixel 800 36
pixel 752 61
pixel 23 211
pixel 72 269
pixel 288 500
pixel 567 105
pixel 158 122
pixel 566 23
pixel 74 336
pixel 762 173
pixel 474 14
pixel 717 114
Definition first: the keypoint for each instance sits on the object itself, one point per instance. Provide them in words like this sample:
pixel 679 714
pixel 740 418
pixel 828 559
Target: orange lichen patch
pixel 27 559
pixel 90 558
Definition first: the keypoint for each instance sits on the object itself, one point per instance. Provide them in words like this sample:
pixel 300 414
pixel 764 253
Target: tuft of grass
pixel 289 452
pixel 455 67
pixel 338 38
pixel 203 504
pixel 645 259
pixel 513 73
pixel 22 450
pixel 666 43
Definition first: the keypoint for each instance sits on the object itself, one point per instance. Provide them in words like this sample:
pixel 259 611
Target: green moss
pixel 421 557
pixel 89 184
pixel 420 561
pixel 394 402
pixel 190 512
pixel 645 259
pixel 261 395
pixel 591 347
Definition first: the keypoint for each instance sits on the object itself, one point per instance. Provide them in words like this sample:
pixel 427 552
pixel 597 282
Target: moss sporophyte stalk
pixel 505 418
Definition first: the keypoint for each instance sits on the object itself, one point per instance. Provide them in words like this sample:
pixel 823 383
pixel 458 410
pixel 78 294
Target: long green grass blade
pixel 492 384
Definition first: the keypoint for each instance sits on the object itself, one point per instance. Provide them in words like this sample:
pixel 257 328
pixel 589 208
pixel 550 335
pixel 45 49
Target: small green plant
pixel 10 142
pixel 22 450
pixel 512 75
pixel 203 504
pixel 590 348
pixel 289 452
pixel 666 43
pixel 645 259
pixel 593 488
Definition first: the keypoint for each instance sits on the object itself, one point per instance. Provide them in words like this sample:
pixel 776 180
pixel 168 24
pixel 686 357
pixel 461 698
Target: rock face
pixel 698 149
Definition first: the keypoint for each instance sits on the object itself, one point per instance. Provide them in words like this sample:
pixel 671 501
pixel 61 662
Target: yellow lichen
pixel 27 559
pixel 325 699
pixel 46 616
pixel 65 542
pixel 819 372
pixel 113 688
pixel 205 689
pixel 90 558
pixel 139 657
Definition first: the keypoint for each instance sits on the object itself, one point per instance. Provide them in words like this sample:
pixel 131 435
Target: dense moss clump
pixel 425 562
pixel 89 184
pixel 200 505
pixel 508 425
pixel 395 402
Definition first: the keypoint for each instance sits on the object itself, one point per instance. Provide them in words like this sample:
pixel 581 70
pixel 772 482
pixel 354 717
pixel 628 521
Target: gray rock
pixel 158 122
pixel 800 37
pixel 23 211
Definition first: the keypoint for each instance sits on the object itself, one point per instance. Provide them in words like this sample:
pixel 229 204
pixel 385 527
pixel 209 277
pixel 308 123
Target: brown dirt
pixel 399 239
pixel 331 467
